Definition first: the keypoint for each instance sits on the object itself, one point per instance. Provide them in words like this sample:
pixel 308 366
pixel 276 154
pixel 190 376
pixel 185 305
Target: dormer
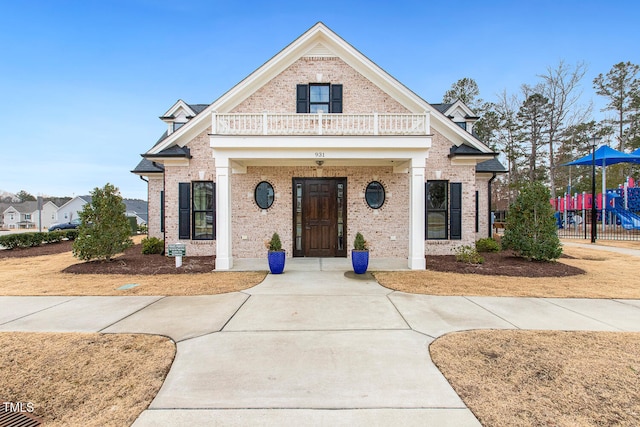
pixel 179 114
pixel 460 114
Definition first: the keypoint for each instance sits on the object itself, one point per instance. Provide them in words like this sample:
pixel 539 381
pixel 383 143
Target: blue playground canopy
pixel 606 156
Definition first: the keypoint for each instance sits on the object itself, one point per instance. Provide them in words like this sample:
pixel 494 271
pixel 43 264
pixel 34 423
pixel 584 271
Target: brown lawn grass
pixel 608 275
pixel 507 378
pixel 42 276
pixel 84 379
pixel 544 378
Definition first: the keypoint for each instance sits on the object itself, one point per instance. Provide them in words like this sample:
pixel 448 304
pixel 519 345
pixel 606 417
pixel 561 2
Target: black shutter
pixel 455 211
pixel 477 213
pixel 162 211
pixel 302 99
pixel 184 210
pixel 336 99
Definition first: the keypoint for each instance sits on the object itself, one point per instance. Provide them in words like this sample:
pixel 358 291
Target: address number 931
pixel 319 154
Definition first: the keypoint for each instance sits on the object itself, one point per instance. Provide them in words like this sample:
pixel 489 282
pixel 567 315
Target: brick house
pixel 317 144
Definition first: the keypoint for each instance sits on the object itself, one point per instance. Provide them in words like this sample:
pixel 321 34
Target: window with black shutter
pixel 443 213
pixel 204 194
pixel 319 97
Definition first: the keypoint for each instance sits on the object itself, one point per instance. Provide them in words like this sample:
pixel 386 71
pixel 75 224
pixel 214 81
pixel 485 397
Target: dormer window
pixel 319 97
pixel 463 125
pixel 177 125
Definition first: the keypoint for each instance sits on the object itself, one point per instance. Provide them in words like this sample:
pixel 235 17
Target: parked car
pixel 74 223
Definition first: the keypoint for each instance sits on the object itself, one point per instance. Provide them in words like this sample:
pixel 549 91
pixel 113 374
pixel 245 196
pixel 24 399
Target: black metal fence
pixel 576 224
pixel 617 225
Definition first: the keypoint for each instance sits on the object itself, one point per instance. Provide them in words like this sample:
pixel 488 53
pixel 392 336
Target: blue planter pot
pixel 360 261
pixel 276 261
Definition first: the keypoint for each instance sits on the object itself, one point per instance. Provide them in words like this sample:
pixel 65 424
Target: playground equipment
pixel 627 219
pixel 620 210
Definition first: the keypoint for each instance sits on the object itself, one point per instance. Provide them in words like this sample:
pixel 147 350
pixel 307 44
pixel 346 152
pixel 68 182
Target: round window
pixel 264 195
pixel 374 195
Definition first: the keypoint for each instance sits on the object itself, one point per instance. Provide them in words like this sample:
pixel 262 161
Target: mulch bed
pixel 46 249
pixel 131 262
pixel 134 262
pixel 502 263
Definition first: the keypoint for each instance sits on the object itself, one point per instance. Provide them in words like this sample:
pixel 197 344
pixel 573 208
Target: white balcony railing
pixel 320 124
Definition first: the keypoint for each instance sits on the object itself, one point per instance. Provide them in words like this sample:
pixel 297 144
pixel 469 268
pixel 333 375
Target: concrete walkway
pixel 313 346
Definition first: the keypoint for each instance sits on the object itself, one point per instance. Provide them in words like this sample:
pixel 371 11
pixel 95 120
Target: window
pixel 177 125
pixel 315 98
pixel 463 125
pixel 263 195
pixel 203 213
pixel 318 98
pixel 443 210
pixel 437 213
pixel 374 195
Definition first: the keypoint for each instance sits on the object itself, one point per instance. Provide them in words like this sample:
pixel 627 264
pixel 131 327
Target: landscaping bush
pixel 487 244
pixel 152 245
pixel 530 229
pixel 104 229
pixel 10 241
pixel 468 254
pixel 71 234
pixel 53 236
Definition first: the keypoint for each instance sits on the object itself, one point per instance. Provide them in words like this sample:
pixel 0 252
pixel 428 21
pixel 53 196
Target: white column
pixel 416 214
pixel 224 259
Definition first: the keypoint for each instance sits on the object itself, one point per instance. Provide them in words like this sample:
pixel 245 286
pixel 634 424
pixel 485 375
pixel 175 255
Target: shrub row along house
pixel 317 144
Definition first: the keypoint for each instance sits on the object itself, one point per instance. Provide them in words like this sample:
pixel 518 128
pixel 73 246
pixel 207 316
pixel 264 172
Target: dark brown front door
pixel 319 217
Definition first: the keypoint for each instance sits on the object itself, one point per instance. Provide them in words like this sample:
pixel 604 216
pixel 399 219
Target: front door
pixel 319 217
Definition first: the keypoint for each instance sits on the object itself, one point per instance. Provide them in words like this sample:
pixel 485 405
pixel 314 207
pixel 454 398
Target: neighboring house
pixel 317 144
pixel 21 215
pixel 71 209
pixel 138 209
pixel 47 216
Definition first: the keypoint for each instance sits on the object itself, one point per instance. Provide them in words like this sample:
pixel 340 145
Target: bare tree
pixel 560 86
pixel 507 139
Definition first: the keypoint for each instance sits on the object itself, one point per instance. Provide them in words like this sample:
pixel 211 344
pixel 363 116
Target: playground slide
pixel 628 220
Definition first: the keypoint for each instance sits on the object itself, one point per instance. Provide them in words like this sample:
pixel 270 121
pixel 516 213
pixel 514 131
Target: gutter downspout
pixel 490 233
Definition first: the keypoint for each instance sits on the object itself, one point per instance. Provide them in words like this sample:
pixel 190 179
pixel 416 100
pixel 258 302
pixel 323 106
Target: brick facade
pixel 387 229
pixel 359 94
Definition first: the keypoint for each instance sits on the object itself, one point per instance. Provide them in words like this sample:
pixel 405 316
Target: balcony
pixel 320 124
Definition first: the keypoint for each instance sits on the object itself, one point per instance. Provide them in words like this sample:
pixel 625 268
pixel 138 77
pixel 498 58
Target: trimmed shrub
pixel 71 234
pixel 468 254
pixel 152 245
pixel 487 244
pixel 530 229
pixel 104 229
pixel 53 236
pixel 359 244
pixel 10 241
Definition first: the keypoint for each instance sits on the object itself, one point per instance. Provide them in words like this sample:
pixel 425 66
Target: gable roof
pixel 319 40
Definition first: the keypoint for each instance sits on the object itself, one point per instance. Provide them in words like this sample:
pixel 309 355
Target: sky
pixel 84 82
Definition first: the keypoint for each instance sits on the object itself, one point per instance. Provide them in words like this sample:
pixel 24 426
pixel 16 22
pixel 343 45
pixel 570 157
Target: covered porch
pixel 236 155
